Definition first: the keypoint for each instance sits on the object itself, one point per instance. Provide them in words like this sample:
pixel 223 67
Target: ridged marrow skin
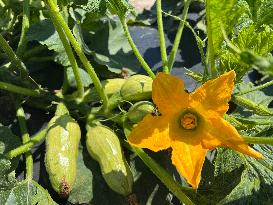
pixel 136 88
pixel 139 110
pixel 104 146
pixel 111 86
pixel 62 141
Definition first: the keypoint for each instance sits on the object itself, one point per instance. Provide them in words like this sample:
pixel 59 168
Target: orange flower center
pixel 189 121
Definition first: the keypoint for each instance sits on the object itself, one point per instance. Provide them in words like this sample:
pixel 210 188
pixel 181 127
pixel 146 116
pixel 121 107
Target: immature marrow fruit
pixel 62 141
pixel 139 110
pixel 111 87
pixel 104 146
pixel 137 87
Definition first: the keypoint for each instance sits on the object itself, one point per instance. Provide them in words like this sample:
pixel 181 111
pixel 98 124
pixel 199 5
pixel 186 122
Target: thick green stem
pixel 210 53
pixel 163 50
pixel 25 26
pixel 178 34
pixel 19 90
pixel 25 138
pixel 255 88
pixel 258 140
pixel 135 49
pixel 12 56
pixel 57 18
pixel 71 57
pixel 167 179
pixel 159 171
pixel 27 146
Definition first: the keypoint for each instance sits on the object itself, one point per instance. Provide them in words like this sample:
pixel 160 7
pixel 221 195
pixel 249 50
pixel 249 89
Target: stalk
pixel 210 53
pixel 25 26
pixel 20 90
pixel 135 49
pixel 71 57
pixel 258 140
pixel 178 34
pixel 163 50
pixel 28 145
pixel 57 18
pixel 13 58
pixel 25 138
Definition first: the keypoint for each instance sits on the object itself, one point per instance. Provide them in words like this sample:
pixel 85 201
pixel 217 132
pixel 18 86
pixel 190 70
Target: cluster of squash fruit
pixel 64 134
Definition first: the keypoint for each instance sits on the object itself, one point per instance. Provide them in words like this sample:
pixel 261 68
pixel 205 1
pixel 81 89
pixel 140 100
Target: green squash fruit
pixel 111 87
pixel 139 110
pixel 104 146
pixel 136 88
pixel 62 141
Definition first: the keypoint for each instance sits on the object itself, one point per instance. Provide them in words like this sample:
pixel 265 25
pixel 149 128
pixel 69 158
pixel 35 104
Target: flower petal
pixel 168 93
pixel 189 159
pixel 228 136
pixel 152 133
pixel 215 94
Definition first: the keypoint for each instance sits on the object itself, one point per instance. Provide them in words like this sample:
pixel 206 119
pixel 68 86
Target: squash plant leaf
pixel 45 33
pixel 71 78
pixel 257 101
pixel 120 7
pixel 255 32
pixel 219 13
pixel 25 192
pixel 110 46
pixel 8 141
pixel 256 181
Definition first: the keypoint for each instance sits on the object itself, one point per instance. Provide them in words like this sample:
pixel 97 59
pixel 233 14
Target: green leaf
pixel 259 101
pixel 24 193
pixel 18 195
pixel 255 33
pixel 90 185
pixel 91 8
pixel 265 14
pixel 82 191
pixel 8 141
pixel 7 177
pixel 45 33
pixel 259 12
pixel 110 46
pixel 120 7
pixel 41 196
pixel 256 178
pixel 84 77
pixel 219 13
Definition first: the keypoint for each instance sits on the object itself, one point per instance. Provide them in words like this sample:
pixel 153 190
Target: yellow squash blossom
pixel 190 124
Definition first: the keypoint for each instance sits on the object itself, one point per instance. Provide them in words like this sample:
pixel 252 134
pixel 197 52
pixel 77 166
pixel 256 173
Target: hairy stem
pixel 58 19
pixel 25 26
pixel 178 34
pixel 163 50
pixel 160 172
pixel 19 90
pixel 255 88
pixel 167 179
pixel 135 49
pixel 28 145
pixel 210 53
pixel 25 138
pixel 12 56
pixel 258 140
pixel 71 57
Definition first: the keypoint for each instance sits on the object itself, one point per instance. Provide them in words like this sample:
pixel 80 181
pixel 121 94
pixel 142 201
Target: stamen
pixel 189 121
